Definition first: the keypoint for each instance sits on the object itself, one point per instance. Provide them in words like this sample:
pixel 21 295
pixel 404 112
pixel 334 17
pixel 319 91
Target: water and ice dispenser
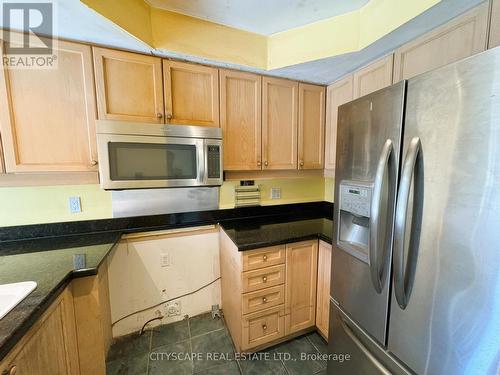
pixel 354 218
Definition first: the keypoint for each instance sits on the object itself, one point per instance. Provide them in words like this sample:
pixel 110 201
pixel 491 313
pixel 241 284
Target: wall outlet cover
pixel 75 205
pixel 173 308
pixel 275 193
pixel 164 259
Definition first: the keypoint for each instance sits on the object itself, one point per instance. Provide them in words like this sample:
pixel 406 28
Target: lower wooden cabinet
pixel 268 294
pixel 323 290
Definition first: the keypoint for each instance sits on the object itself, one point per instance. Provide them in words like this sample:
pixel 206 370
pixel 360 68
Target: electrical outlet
pixel 75 205
pixel 173 308
pixel 165 259
pixel 275 193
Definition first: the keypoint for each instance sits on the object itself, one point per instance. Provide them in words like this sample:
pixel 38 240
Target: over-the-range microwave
pixel 139 156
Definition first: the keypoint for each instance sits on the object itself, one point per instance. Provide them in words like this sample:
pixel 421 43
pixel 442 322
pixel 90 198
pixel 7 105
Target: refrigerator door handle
pixel 400 222
pixel 349 332
pixel 376 266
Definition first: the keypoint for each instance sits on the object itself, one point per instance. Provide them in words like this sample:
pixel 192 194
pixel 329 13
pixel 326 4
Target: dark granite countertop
pixel 48 262
pixel 250 234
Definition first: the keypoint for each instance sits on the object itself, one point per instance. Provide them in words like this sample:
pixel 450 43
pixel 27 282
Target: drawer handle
pixel 264 299
pixel 264 257
pixel 11 371
pixel 264 326
pixel 264 279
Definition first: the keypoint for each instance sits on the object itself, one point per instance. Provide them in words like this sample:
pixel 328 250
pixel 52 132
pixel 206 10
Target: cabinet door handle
pixel 264 326
pixel 159 115
pixel 266 163
pixel 264 258
pixel 301 163
pixel 93 162
pixel 169 116
pixel 264 279
pixel 264 299
pixel 259 163
pixel 11 371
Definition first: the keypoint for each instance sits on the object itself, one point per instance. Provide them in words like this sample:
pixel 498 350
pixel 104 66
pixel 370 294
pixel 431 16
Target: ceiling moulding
pixel 170 31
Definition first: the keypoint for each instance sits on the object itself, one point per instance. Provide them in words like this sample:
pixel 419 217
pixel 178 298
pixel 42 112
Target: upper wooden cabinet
pixel 279 123
pixel 323 290
pixel 129 86
pixel 241 119
pixel 311 127
pixel 462 37
pixel 373 77
pixel 495 24
pixel 191 94
pixel 47 116
pixel 301 276
pixel 337 93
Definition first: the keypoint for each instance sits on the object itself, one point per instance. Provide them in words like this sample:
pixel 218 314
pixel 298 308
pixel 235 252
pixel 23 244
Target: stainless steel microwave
pixel 139 156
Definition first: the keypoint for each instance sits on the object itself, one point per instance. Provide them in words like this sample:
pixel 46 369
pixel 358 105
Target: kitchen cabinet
pixel 241 120
pixel 323 290
pixel 300 297
pixel 279 123
pixel 50 346
pixel 191 94
pixel 373 77
pixel 463 36
pixel 494 39
pixel 311 126
pixel 47 116
pixel 129 86
pixel 337 93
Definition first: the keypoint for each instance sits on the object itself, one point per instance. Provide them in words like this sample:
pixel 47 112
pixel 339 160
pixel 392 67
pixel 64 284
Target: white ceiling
pixel 263 17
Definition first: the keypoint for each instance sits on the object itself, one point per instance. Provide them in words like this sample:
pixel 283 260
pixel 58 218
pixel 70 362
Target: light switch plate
pixel 275 193
pixel 75 205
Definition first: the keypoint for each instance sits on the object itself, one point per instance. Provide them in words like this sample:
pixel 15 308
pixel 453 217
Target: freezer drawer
pixel 365 355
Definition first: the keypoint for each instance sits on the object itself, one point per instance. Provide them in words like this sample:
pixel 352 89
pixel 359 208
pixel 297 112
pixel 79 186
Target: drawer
pixel 263 299
pixel 263 327
pixel 263 278
pixel 260 258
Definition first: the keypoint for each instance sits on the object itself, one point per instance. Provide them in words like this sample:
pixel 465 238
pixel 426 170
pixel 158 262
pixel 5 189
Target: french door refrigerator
pixel 415 282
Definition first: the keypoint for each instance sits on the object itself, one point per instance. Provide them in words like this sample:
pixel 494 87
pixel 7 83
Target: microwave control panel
pixel 355 198
pixel 213 161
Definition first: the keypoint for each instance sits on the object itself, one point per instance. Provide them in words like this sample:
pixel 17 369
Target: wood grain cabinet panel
pixel 337 93
pixel 301 278
pixel 191 94
pixel 47 116
pixel 279 123
pixel 463 36
pixel 323 290
pixel 373 77
pixel 494 40
pixel 311 127
pixel 241 120
pixel 129 86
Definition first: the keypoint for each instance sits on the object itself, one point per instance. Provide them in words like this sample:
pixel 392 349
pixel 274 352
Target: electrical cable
pixel 162 302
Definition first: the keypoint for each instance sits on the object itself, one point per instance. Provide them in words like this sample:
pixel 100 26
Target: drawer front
pixel 263 299
pixel 263 278
pixel 260 258
pixel 263 327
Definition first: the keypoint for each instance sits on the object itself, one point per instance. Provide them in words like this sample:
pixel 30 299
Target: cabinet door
pixel 373 77
pixel 47 116
pixel 463 36
pixel 191 94
pixel 311 129
pixel 300 296
pixel 337 93
pixel 323 292
pixel 495 24
pixel 241 120
pixel 129 86
pixel 279 123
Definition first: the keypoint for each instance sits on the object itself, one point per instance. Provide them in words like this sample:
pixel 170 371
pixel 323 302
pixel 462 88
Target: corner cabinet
pixel 129 86
pixel 191 94
pixel 373 77
pixel 494 40
pixel 323 290
pixel 241 120
pixel 280 99
pixel 47 116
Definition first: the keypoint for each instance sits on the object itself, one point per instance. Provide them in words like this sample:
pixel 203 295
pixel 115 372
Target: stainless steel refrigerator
pixel 415 282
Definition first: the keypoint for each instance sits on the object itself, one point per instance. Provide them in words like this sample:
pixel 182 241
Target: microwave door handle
pixel 202 161
pixel 400 222
pixel 386 161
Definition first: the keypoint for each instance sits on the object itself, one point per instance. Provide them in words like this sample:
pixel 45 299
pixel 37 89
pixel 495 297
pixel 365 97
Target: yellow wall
pixel 329 189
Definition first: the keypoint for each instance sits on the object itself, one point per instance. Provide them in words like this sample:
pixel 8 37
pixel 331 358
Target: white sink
pixel 12 294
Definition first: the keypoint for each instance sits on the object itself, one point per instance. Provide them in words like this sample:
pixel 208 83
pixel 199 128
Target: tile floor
pixel 153 352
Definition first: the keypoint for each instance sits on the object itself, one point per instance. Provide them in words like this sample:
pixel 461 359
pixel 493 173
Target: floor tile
pixel 296 364
pixel 262 363
pixel 318 342
pixel 229 368
pixel 204 323
pixel 129 365
pixel 130 346
pixel 171 359
pixel 170 334
pixel 216 348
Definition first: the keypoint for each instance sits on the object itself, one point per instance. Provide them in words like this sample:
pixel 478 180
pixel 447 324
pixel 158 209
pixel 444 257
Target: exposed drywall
pixel 48 204
pixel 137 279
